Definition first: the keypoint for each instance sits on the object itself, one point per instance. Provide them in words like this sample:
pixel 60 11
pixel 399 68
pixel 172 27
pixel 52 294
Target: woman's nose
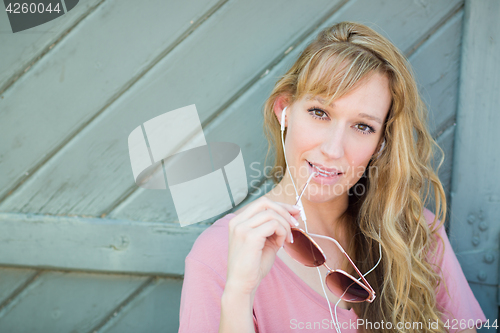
pixel 333 144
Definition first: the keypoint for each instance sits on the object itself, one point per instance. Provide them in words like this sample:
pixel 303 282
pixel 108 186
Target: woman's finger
pixel 293 209
pixel 269 229
pixel 264 203
pixel 270 215
pixel 259 219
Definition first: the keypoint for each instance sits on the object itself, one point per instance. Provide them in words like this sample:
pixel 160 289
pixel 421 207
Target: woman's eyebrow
pixel 364 115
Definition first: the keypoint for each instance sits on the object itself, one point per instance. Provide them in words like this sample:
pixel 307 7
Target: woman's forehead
pixel 329 89
pixel 372 100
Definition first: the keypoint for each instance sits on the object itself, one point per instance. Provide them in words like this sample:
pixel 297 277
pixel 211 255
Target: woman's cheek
pixel 358 167
pixel 361 157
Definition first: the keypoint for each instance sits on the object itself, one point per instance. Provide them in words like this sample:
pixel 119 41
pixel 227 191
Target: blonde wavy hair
pixel 396 193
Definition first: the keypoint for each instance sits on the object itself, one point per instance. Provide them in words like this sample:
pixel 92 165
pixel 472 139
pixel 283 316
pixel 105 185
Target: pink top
pixel 285 303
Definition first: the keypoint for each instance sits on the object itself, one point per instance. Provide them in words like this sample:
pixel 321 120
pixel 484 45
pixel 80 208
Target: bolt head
pixel 483 226
pixel 489 257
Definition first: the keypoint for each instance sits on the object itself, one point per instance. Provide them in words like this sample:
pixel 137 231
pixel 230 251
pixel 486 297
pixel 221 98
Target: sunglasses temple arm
pixel 362 277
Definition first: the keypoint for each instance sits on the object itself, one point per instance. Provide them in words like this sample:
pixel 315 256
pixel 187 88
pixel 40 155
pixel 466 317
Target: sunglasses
pixel 342 284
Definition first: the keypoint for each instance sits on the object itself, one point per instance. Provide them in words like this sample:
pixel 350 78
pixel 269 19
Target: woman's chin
pixel 321 194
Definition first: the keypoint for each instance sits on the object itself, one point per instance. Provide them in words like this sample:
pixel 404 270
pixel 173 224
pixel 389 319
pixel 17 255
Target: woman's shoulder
pixel 211 246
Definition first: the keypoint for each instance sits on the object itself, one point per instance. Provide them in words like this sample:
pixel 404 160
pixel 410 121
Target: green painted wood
pixel 93 171
pixel 156 309
pixel 90 68
pixel 436 64
pixel 21 49
pixel 67 302
pixel 241 122
pixel 489 305
pixel 475 202
pixel 11 279
pixel 146 100
pixel 94 244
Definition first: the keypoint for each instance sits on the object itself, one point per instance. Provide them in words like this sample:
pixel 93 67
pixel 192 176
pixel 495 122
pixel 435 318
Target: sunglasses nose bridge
pixel 329 269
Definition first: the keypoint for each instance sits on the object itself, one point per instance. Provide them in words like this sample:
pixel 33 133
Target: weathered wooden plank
pixel 11 279
pixel 241 122
pixel 476 147
pixel 88 70
pixel 94 244
pixel 67 302
pixel 488 305
pixel 475 191
pixel 156 308
pixel 21 49
pixel 436 64
pixel 403 22
pixel 204 70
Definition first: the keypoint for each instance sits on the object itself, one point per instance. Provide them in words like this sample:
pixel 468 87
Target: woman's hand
pixel 255 235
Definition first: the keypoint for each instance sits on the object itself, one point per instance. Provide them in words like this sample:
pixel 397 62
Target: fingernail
pixel 291 238
pixel 294 220
pixel 296 207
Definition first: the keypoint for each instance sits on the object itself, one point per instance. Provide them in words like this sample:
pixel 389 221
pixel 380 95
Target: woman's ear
pixel 280 104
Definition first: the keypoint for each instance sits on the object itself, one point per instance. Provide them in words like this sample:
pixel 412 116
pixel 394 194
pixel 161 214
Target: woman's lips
pixel 321 179
pixel 324 169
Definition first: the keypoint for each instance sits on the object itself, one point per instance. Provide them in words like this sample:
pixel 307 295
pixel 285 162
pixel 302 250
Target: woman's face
pixel 338 138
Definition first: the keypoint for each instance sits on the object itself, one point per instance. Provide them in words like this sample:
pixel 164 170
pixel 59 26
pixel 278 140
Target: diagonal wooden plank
pixel 12 281
pixel 241 122
pixel 83 74
pixel 185 76
pixel 40 241
pixel 437 66
pixel 156 307
pixel 67 301
pixel 21 50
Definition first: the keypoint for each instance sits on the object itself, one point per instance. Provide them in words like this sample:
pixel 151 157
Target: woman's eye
pixel 365 129
pixel 318 113
pixel 322 115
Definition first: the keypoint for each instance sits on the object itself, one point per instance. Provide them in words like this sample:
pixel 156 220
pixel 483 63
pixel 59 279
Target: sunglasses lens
pixel 346 288
pixel 303 250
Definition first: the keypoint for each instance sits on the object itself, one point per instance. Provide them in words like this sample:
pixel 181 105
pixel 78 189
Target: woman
pixel 355 133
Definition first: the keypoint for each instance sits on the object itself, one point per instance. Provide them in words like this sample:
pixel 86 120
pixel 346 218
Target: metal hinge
pixel 480 266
